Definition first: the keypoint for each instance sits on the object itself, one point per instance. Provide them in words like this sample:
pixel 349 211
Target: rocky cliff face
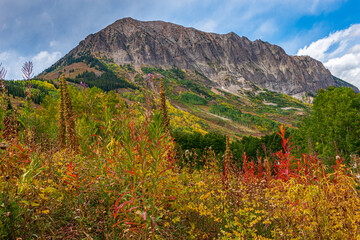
pixel 226 59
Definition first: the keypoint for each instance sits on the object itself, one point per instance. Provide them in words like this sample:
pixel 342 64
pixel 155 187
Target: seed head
pixel 3 146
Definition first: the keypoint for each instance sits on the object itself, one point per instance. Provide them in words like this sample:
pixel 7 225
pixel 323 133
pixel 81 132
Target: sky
pixel 43 31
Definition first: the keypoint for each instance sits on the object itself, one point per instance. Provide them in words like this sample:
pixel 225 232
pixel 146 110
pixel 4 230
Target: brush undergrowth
pixel 126 183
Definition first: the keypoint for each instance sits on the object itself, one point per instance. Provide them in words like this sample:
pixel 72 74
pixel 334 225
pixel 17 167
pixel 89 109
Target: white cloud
pixel 207 26
pixel 261 19
pixel 346 67
pixel 4 27
pixel 54 43
pixel 266 28
pixel 300 37
pixel 44 60
pixel 340 53
pixel 13 62
pixel 34 24
pixel 59 25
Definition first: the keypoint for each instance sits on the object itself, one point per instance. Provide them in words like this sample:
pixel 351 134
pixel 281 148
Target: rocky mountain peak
pixel 228 60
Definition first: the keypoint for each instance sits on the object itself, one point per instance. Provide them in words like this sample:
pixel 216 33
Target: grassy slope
pixel 258 112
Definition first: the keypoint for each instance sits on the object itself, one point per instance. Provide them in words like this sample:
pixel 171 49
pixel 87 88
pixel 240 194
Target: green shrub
pixel 189 97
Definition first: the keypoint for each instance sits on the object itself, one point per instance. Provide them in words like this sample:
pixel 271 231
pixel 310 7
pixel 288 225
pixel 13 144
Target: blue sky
pixel 45 30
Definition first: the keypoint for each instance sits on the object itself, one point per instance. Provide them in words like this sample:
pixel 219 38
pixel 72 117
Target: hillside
pixel 231 84
pixel 243 112
pixel 87 164
pixel 125 151
pixel 227 60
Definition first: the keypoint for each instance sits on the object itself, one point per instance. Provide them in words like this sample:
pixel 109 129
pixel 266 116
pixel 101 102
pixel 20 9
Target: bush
pixel 189 97
pixel 334 124
pixel 125 181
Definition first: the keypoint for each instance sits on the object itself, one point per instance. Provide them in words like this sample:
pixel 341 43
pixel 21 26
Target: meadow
pixel 89 164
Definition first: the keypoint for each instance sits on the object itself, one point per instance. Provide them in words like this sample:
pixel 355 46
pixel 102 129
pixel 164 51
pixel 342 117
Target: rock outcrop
pixel 226 59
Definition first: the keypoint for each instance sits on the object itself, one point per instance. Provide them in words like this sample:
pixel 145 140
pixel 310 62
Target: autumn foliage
pixel 127 182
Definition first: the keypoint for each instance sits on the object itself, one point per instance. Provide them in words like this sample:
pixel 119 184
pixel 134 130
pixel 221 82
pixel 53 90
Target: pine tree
pixel 163 105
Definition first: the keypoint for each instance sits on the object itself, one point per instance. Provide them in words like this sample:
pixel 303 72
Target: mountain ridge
pixel 228 60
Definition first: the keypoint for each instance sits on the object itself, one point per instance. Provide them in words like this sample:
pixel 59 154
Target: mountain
pixel 229 61
pixel 341 83
pixel 214 82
